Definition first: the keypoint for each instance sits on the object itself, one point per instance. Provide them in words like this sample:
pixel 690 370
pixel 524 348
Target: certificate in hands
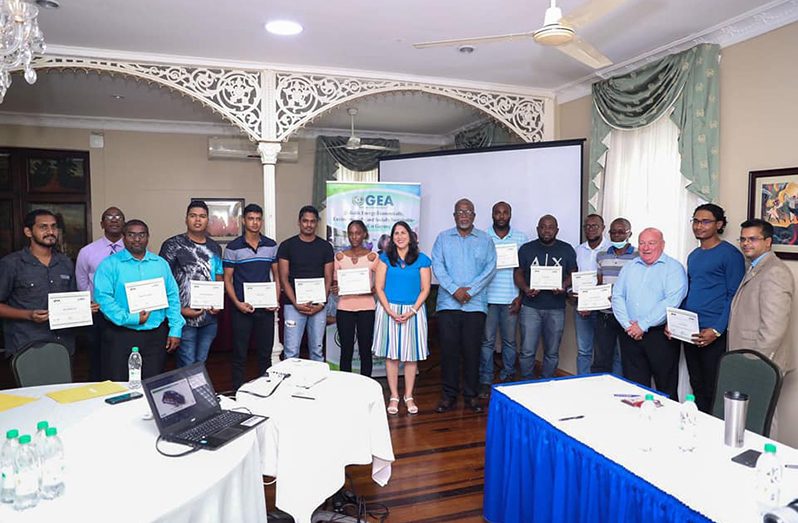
pixel 310 290
pixel 583 279
pixel 353 281
pixel 207 295
pixel 261 295
pixel 682 324
pixel 146 295
pixel 545 278
pixel 506 255
pixel 594 298
pixel 69 309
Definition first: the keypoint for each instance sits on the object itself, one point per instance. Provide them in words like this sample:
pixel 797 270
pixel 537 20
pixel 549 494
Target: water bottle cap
pixel 52 431
pixel 24 439
pixel 770 447
pixel 689 397
pixel 12 434
pixel 649 397
pixel 42 425
pixel 135 349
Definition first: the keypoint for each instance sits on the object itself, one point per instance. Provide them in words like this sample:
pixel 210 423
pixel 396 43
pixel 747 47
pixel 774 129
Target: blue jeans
pixel 295 323
pixel 195 344
pixel 534 323
pixel 499 320
pixel 585 339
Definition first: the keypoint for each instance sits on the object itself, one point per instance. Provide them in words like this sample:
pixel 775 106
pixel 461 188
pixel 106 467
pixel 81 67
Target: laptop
pixel 187 411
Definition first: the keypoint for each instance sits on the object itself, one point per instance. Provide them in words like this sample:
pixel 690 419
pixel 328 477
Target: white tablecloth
pixel 307 444
pixel 114 473
pixel 706 479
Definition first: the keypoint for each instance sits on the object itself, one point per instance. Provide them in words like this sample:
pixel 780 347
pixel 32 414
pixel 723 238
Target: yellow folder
pixel 9 401
pixel 85 392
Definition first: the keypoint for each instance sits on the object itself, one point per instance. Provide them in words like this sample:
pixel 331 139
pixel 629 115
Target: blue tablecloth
pixel 534 472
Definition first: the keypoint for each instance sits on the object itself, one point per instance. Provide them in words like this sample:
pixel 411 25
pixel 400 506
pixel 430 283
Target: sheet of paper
pixel 261 295
pixel 85 392
pixel 545 278
pixel 310 290
pixel 682 324
pixel 146 295
pixel 506 255
pixel 583 279
pixel 69 309
pixel 9 401
pixel 354 281
pixel 207 294
pixel 594 298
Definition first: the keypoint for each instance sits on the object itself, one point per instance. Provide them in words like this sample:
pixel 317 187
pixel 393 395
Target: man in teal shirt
pixel 146 330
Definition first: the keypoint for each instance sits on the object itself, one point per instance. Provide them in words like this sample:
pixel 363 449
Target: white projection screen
pixel 535 179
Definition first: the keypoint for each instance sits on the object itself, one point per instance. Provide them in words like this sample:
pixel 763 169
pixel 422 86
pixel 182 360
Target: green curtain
pixel 484 135
pixel 688 82
pixel 330 152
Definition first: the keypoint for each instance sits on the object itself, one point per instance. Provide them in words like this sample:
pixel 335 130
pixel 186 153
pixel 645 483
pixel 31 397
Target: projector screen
pixel 535 179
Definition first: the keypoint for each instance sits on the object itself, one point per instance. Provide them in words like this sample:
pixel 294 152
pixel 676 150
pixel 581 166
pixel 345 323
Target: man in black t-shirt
pixel 543 311
pixel 303 258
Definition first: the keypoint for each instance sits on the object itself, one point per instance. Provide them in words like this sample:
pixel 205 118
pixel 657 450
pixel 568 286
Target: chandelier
pixel 20 39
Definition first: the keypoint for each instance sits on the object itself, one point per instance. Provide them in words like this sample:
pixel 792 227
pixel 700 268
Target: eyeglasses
pixel 592 226
pixel 111 217
pixel 462 212
pixel 136 235
pixel 749 239
pixel 705 223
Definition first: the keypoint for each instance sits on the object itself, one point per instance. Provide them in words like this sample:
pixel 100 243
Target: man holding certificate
pixel 544 272
pixel 196 263
pixel 139 296
pixel 251 283
pixel 306 271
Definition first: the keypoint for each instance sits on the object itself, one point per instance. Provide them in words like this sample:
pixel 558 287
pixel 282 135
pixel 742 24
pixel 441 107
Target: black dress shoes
pixel 474 405
pixel 445 405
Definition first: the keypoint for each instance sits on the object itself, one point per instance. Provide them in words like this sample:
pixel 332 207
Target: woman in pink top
pixel 356 312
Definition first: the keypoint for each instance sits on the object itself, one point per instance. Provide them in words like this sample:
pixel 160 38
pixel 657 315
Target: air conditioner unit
pixel 235 148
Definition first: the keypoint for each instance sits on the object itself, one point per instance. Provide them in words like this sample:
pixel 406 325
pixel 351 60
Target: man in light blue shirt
pixel 503 302
pixel 645 288
pixel 146 330
pixel 464 261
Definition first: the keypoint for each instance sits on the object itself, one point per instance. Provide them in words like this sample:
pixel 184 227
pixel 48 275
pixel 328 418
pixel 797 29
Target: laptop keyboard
pixel 226 419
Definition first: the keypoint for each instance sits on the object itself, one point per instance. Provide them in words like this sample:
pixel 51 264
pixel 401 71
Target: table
pixel 114 473
pixel 541 468
pixel 307 444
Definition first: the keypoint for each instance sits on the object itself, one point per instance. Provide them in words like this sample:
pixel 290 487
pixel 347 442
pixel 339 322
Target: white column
pixel 268 157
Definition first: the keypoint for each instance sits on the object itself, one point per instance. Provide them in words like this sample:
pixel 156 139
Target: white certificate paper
pixel 353 281
pixel 545 278
pixel 207 295
pixel 583 279
pixel 506 255
pixel 261 295
pixel 682 324
pixel 146 295
pixel 69 309
pixel 310 290
pixel 594 298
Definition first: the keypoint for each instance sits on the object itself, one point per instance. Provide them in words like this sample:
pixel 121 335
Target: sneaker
pixel 484 391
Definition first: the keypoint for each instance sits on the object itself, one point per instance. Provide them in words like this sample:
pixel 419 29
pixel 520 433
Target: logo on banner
pixel 372 200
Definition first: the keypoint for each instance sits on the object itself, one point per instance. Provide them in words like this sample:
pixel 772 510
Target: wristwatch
pixel 717 334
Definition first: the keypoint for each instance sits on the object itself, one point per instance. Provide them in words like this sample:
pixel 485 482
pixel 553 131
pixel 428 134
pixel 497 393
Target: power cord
pixel 345 500
pixel 192 450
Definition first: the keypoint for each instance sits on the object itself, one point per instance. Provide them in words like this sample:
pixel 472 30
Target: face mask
pixel 619 245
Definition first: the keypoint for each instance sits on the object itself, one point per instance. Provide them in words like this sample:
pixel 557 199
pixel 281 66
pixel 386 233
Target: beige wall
pixel 758 115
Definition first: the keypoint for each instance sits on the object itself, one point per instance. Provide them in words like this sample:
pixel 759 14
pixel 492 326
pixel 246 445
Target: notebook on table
pixel 187 411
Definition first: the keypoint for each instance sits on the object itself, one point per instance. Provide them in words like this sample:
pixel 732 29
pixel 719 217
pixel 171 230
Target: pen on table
pixel 571 417
pixel 626 395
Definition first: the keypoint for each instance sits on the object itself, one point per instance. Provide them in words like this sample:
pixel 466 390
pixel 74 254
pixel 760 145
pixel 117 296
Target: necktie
pixel 113 248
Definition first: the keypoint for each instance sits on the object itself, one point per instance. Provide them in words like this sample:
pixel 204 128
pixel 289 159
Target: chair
pixel 42 363
pixel 750 372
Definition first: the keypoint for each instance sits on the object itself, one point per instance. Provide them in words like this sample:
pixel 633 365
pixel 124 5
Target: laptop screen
pixel 181 397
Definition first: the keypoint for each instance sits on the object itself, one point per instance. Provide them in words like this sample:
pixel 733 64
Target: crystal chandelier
pixel 20 39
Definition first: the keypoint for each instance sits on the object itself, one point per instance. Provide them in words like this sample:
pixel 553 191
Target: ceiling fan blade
pixel 475 40
pixel 589 12
pixel 582 51
pixel 376 147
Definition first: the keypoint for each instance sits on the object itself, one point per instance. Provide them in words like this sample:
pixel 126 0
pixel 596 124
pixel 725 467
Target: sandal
pixel 393 406
pixel 412 410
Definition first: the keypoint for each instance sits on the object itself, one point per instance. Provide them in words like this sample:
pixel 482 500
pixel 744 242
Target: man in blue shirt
pixel 464 261
pixel 645 288
pixel 146 330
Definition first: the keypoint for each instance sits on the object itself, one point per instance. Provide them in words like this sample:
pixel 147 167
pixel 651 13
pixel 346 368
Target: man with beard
pixel 154 332
pixel 27 277
pixel 89 258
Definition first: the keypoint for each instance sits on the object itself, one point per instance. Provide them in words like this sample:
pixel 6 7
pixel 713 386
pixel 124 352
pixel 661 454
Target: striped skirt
pixel 404 342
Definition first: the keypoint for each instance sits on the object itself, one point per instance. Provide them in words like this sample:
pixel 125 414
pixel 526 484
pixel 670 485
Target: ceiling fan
pixel 558 31
pixel 354 142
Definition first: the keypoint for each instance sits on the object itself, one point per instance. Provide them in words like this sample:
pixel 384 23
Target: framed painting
pixel 224 218
pixel 66 174
pixel 71 219
pixel 5 172
pixel 773 197
pixel 6 227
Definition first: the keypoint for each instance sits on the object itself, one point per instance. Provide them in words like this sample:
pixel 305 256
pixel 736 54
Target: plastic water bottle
pixel 40 437
pixel 27 472
pixel 52 459
pixel 134 369
pixel 7 455
pixel 768 479
pixel 647 410
pixel 688 414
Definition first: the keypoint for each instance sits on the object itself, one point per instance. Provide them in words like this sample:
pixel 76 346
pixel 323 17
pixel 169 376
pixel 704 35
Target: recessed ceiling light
pixel 466 49
pixel 283 27
pixel 117 97
pixel 48 4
